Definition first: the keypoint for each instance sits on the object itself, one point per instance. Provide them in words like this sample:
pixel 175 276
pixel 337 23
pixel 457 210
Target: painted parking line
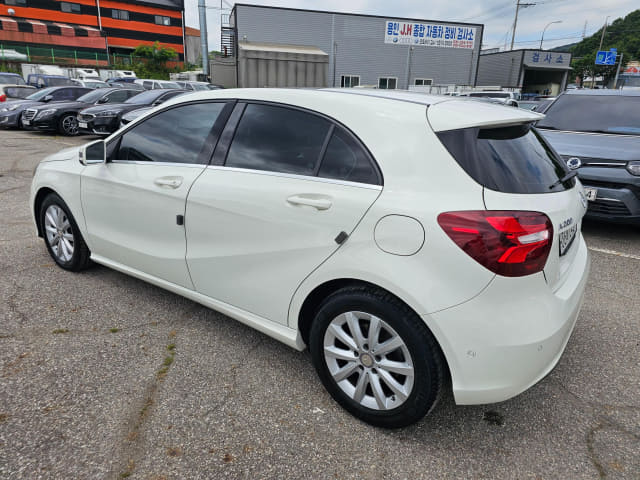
pixel 613 252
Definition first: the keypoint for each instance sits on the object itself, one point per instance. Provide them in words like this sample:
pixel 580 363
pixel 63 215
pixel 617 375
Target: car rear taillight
pixel 3 97
pixel 509 243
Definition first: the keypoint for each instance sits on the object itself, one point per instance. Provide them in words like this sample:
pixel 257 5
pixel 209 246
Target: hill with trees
pixel 623 34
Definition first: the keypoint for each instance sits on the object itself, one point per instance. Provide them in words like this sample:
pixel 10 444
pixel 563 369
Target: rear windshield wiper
pixel 568 176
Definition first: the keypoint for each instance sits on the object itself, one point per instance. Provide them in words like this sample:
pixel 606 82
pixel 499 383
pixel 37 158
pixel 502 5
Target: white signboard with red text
pixel 429 34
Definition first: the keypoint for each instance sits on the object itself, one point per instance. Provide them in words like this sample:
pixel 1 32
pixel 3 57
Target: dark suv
pixel 597 133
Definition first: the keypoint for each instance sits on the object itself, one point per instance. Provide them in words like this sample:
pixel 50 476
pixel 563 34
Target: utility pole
pixel 202 10
pixel 615 82
pixel 515 21
pixel 584 30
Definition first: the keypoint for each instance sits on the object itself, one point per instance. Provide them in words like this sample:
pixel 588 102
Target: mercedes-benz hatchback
pixel 410 242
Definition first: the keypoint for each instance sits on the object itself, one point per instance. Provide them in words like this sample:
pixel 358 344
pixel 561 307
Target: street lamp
pixel 543 30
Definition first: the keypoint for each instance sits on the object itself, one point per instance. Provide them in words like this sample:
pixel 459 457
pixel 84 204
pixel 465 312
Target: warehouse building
pixel 278 47
pixel 533 71
pixel 115 26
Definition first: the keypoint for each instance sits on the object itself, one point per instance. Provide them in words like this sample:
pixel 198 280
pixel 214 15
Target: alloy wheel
pixel 59 233
pixel 368 360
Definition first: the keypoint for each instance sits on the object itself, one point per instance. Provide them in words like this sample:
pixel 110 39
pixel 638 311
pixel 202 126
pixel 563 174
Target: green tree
pixel 156 54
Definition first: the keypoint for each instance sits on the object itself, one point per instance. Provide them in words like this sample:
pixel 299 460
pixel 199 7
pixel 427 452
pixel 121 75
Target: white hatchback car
pixel 406 239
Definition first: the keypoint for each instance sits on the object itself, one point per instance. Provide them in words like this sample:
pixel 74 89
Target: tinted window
pixel 118 97
pixel 145 98
pixel 91 97
pixel 53 81
pixel 594 113
pixel 278 139
pixel 345 160
pixel 18 92
pixel 40 94
pixel 490 95
pixel 511 159
pixel 175 136
pixel 147 84
pixel 167 96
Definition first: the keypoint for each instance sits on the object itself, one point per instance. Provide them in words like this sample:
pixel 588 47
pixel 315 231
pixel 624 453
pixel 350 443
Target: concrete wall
pixel 355 45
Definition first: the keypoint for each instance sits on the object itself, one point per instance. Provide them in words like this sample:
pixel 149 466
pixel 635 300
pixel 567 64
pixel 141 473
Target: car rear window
pixel 513 159
pixel 594 113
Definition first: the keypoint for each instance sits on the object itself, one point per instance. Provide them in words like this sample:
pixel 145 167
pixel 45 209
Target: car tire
pixel 68 125
pixel 389 379
pixel 62 235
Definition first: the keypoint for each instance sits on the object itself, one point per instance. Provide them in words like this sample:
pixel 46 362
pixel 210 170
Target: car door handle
pixel 170 182
pixel 316 202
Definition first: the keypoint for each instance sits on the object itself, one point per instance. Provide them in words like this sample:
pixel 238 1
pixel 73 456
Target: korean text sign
pixel 429 34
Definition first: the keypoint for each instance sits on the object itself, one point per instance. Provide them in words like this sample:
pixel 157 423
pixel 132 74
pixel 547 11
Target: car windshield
pixel 594 113
pixel 18 92
pixel 40 94
pixel 92 96
pixel 11 79
pixel 169 85
pixel 146 97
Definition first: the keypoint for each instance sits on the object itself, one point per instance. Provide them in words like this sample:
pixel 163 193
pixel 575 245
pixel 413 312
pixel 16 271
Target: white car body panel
pixel 499 335
pixel 131 219
pixel 250 247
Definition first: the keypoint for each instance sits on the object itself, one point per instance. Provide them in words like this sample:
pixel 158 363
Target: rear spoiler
pixel 457 114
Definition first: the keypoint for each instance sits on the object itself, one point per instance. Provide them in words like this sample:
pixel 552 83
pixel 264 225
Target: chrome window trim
pixel 297 177
pixel 577 132
pixel 165 164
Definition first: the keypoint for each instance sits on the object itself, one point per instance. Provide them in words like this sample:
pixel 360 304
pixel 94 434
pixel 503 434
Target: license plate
pixel 82 124
pixel 566 237
pixel 26 122
pixel 591 193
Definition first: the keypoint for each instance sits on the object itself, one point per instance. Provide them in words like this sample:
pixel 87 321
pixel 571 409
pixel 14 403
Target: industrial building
pixel 116 26
pixel 285 47
pixel 532 71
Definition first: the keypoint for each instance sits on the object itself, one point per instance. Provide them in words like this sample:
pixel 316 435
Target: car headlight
pixel 634 167
pixel 108 113
pixel 46 113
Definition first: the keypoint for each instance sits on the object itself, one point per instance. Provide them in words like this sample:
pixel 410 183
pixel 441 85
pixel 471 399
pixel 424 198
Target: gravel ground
pixel 104 376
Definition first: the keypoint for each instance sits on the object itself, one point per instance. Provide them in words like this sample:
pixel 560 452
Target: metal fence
pixel 60 56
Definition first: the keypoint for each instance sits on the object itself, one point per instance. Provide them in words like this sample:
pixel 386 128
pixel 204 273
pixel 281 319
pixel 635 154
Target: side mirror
pixel 94 152
pixel 47 98
pixel 103 100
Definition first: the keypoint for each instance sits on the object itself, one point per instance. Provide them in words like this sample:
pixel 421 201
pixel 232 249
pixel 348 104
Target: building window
pixel 160 20
pixel 348 81
pixel 387 83
pixel 423 81
pixel 120 14
pixel 16 2
pixel 69 7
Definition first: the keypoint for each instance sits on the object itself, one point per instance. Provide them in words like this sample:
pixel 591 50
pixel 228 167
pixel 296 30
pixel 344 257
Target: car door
pixel 261 218
pixel 134 204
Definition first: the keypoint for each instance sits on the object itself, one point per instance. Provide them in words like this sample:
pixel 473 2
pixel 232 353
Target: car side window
pixel 118 96
pixel 174 136
pixel 62 94
pixel 278 139
pixel 147 84
pixel 345 159
pixel 165 97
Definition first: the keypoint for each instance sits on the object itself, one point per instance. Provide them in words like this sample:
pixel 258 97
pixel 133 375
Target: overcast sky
pixel 496 15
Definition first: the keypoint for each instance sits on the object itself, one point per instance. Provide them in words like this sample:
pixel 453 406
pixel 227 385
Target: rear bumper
pixel 511 335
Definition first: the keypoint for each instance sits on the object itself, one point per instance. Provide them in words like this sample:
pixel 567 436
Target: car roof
pixel 603 92
pixel 445 113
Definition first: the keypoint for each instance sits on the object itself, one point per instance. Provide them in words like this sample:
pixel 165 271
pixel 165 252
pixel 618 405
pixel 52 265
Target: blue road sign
pixel 605 58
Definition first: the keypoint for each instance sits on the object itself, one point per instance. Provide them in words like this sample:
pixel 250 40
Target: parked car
pixel 91 83
pixel 598 135
pixel 40 80
pixel 11 111
pixel 115 82
pixel 212 86
pixel 105 119
pixel 504 97
pixel 62 116
pixel 9 92
pixel 192 85
pixel 150 84
pixel 402 237
pixel 9 78
pixel 133 115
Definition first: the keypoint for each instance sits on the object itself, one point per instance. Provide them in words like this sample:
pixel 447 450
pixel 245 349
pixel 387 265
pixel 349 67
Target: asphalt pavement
pixel 104 376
